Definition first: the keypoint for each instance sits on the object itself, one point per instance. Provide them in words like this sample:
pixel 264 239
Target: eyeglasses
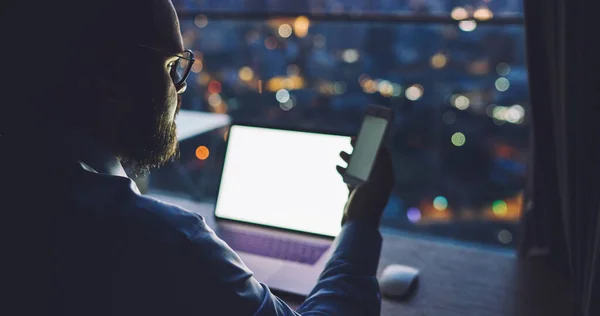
pixel 180 69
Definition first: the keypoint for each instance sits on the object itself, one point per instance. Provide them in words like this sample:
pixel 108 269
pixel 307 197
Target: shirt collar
pixel 92 156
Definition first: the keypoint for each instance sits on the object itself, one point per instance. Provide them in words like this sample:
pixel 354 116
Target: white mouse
pixel 398 281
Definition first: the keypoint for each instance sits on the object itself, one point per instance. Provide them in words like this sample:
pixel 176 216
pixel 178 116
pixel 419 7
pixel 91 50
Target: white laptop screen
pixel 284 179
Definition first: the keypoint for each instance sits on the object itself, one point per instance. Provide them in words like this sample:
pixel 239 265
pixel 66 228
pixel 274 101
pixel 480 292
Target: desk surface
pixel 457 280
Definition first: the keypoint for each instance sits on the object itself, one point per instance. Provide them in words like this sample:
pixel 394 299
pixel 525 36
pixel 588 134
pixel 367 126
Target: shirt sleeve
pixel 347 286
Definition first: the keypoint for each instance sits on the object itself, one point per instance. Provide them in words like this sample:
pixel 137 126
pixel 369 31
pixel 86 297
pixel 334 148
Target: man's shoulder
pixel 172 217
pixel 118 199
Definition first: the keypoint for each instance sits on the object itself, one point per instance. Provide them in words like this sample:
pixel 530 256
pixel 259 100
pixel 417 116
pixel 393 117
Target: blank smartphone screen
pixel 367 145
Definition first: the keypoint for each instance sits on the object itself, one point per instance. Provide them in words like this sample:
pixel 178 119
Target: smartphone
pixel 371 136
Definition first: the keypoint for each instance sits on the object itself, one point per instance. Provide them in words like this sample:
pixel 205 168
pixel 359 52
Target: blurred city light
pixel 458 139
pixel 369 86
pixel 504 236
pixel 301 25
pixel 385 88
pixel 515 114
pixel 413 214
pixel 202 152
pixel 414 92
pixel 483 14
pixel 287 105
pixel 339 87
pixel 397 90
pixel 271 42
pixel 293 70
pixel 459 13
pixel 214 87
pixel 440 203
pixel 289 83
pixel 461 102
pixel 323 72
pixel 503 69
pixel 502 84
pixel 246 73
pixel 282 96
pixel 467 25
pixel 197 66
pixel 500 208
pixel 215 100
pixel 201 20
pixel 438 61
pixel 285 30
pixel 350 55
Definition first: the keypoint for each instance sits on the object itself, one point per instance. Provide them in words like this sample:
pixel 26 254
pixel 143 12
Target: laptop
pixel 280 202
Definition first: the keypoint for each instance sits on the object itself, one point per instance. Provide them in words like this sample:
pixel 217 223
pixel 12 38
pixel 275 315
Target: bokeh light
pixel 285 30
pixel 414 92
pixel 515 114
pixel 350 55
pixel 293 70
pixel 502 84
pixel 339 87
pixel 246 73
pixel 214 87
pixel 215 100
pixel 467 25
pixel 459 13
pixel 438 60
pixel 503 69
pixel 282 95
pixel 413 214
pixel 440 203
pixel 270 42
pixel 202 152
pixel 397 90
pixel 458 139
pixel 500 208
pixel 287 105
pixel 461 102
pixel 201 20
pixel 504 236
pixel 197 66
pixel 369 86
pixel 385 88
pixel 483 14
pixel 301 25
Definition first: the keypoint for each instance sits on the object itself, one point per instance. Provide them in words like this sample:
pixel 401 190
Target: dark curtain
pixel 561 214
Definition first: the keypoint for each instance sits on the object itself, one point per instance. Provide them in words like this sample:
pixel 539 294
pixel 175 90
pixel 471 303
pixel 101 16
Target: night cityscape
pixel 457 85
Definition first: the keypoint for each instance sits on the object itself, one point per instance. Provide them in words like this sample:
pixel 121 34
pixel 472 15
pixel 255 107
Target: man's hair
pixel 76 66
pixel 64 41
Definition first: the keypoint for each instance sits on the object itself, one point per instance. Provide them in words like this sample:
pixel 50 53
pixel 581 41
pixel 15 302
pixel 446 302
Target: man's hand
pixel 367 201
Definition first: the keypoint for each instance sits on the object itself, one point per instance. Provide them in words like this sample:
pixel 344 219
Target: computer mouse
pixel 398 281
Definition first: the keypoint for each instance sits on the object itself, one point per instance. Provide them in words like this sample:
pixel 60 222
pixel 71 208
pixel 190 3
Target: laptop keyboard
pixel 274 246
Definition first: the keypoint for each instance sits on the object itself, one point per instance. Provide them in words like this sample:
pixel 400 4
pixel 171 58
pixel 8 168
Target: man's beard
pixel 149 138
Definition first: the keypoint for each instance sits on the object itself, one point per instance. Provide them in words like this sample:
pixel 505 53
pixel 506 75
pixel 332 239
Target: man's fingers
pixel 341 170
pixel 353 141
pixel 345 156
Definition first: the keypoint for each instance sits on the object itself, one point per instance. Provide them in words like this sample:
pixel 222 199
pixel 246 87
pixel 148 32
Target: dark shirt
pixel 114 251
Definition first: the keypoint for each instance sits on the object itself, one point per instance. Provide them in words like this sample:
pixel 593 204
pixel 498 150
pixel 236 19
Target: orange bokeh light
pixel 202 152
pixel 214 87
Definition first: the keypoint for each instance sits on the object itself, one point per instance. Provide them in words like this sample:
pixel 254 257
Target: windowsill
pixel 457 279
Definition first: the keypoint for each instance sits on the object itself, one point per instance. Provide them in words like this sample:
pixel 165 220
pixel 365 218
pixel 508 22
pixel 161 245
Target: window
pixel 454 72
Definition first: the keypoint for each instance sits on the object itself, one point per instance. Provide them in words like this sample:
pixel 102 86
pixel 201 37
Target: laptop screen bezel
pixel 272 127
